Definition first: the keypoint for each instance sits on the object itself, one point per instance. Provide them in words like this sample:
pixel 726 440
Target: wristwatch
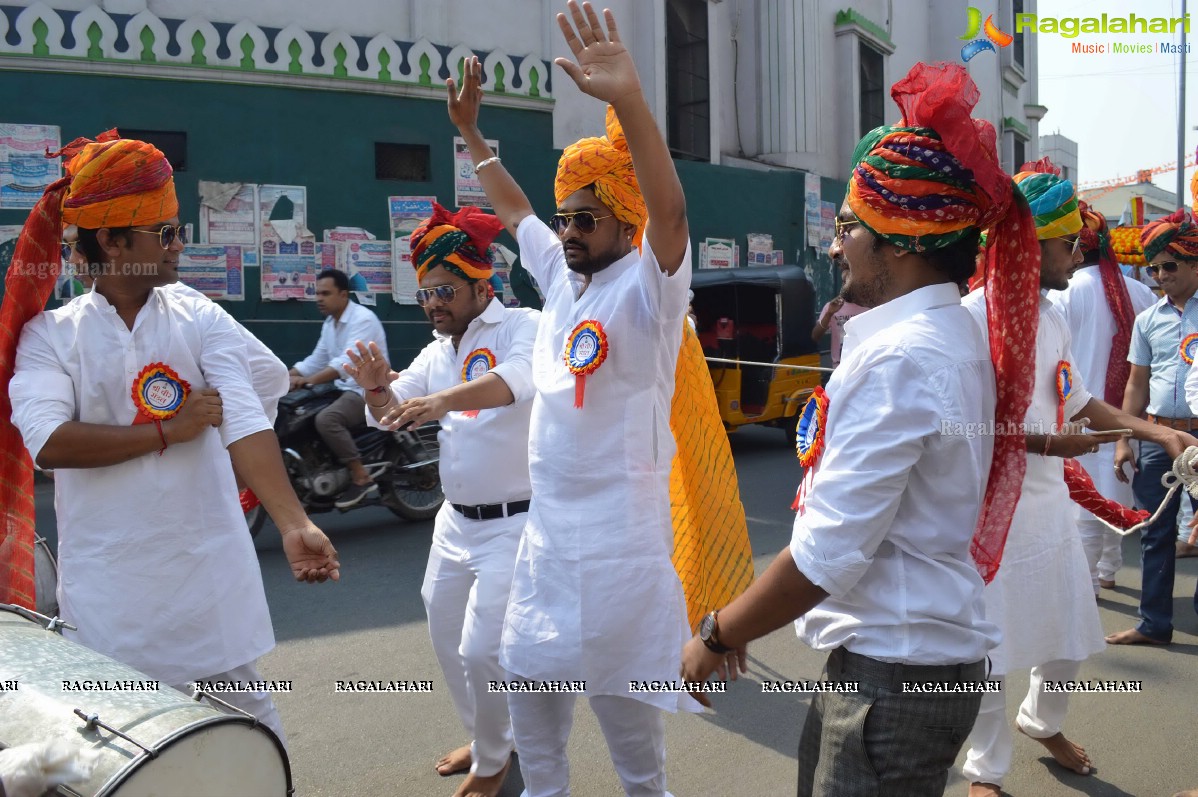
pixel 709 633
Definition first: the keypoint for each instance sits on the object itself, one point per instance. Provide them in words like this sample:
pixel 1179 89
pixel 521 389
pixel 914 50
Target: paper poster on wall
pixel 368 264
pixel 720 253
pixel 403 277
pixel 827 227
pixel 8 244
pixel 812 207
pixel 229 213
pixel 289 277
pixel 467 190
pixel 283 220
pixel 406 213
pixel 217 271
pixel 25 171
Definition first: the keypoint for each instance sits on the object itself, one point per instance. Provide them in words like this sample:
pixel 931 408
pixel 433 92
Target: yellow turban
pixel 119 183
pixel 605 164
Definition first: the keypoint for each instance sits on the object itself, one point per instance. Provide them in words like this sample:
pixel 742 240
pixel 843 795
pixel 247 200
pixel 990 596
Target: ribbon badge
pixel 1064 388
pixel 586 349
pixel 1189 345
pixel 478 363
pixel 809 441
pixel 158 393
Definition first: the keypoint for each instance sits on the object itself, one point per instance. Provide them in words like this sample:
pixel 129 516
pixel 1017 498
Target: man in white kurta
pixel 1091 325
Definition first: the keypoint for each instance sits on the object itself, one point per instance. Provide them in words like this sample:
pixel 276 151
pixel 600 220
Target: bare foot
pixel 479 786
pixel 984 790
pixel 455 762
pixel 1187 793
pixel 1106 583
pixel 1132 637
pixel 1067 754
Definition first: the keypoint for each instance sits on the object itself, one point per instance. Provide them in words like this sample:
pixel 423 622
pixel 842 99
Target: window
pixel 172 144
pixel 688 93
pixel 873 89
pixel 402 162
pixel 1017 46
pixel 1020 153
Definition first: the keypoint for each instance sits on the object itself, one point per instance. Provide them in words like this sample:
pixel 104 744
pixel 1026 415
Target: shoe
pixel 355 494
pixel 1106 583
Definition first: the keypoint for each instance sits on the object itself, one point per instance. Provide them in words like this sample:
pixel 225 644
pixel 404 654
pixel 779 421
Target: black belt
pixel 491 511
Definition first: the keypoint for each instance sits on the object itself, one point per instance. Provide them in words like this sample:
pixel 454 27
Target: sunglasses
pixel 444 294
pixel 1075 243
pixel 584 221
pixel 842 228
pixel 68 249
pixel 167 235
pixel 1169 266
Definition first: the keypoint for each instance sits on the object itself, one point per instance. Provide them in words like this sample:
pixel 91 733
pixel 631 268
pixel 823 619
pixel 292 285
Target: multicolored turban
pixel 111 182
pixel 1052 199
pixel 925 184
pixel 606 164
pixel 459 242
pixel 1096 238
pixel 1177 234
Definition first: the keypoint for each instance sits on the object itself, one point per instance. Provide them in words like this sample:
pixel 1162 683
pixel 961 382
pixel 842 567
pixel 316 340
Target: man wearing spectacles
pixel 140 398
pixel 1164 344
pixel 595 596
pixel 481 356
pixel 345 322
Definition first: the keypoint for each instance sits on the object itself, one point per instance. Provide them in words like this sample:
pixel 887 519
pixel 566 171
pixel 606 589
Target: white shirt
pixel 155 565
pixel 337 335
pixel 1043 563
pixel 484 459
pixel 267 371
pixel 891 510
pixel 595 596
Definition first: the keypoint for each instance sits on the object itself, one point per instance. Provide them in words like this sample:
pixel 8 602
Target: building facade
pixel 348 98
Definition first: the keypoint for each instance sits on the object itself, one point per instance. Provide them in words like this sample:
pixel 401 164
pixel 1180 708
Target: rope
pixel 1184 474
pixel 769 365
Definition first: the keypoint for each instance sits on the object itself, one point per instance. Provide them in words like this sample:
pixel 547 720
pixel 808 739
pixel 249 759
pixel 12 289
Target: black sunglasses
pixel 444 293
pixel 1169 266
pixel 584 220
pixel 68 249
pixel 167 235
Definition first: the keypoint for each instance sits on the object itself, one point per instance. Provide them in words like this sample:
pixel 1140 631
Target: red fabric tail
pixel 1083 492
pixel 27 287
pixel 1119 300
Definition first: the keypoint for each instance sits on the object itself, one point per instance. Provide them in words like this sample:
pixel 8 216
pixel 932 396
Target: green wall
pixel 325 140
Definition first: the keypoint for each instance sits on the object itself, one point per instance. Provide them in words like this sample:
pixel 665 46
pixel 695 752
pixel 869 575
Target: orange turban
pixel 606 164
pixel 119 183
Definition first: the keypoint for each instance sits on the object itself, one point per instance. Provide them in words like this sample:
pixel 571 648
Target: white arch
pixel 261 45
pixel 497 58
pixel 528 65
pixel 374 48
pixel 54 30
pixel 187 31
pixel 420 48
pixel 282 62
pixel 162 37
pixel 328 49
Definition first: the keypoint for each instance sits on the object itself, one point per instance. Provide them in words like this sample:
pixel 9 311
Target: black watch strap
pixel 711 639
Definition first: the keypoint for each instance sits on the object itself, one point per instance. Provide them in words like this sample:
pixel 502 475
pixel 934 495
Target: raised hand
pixel 368 366
pixel 464 104
pixel 605 69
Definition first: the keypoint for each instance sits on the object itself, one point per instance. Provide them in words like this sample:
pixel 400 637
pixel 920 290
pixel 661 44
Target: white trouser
pixel 466 586
pixel 1103 547
pixel 635 734
pixel 259 704
pixel 1041 715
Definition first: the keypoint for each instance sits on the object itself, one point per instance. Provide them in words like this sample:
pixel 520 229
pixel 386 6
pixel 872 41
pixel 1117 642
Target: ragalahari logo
pixel 993 34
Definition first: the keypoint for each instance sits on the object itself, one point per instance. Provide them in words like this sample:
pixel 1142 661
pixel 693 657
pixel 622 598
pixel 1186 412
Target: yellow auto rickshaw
pixel 748 320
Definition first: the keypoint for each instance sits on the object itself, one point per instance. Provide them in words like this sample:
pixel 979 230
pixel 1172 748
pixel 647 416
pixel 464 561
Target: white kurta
pixel 1042 597
pixel 1091 324
pixel 595 596
pixel 155 565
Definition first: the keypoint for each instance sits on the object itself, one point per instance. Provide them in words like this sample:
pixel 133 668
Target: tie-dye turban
pixel 459 242
pixel 1177 234
pixel 606 164
pixel 1052 199
pixel 924 184
pixel 119 183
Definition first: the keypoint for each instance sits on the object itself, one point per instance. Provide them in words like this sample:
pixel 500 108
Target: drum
pixel 150 743
pixel 45 575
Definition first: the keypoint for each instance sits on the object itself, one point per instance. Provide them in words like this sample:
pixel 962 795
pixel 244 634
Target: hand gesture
pixel 368 366
pixel 201 410
pixel 698 663
pixel 464 104
pixel 605 69
pixel 416 412
pixel 310 554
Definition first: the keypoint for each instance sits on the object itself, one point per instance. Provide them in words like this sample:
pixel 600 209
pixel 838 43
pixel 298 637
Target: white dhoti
pixel 465 592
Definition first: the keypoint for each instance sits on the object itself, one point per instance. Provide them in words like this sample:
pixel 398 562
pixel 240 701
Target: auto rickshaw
pixel 758 315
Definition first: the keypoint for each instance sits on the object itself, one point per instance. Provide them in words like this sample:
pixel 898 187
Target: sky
pixel 1121 109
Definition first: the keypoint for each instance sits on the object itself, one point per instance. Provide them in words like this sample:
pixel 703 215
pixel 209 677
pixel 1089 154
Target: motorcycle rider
pixel 481 355
pixel 344 323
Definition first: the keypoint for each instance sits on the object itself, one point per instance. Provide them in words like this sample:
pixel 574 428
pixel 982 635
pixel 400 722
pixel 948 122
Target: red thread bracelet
pixel 161 436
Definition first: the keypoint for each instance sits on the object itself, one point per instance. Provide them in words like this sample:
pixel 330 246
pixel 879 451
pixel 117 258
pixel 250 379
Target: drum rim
pixel 107 790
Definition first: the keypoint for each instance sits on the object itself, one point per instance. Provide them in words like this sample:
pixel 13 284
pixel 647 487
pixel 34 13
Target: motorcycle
pixel 402 463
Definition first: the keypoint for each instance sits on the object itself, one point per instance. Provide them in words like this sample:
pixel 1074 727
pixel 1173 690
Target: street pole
pixel 1181 115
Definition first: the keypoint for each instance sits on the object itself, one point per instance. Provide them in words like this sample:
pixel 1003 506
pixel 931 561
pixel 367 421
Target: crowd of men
pixel 916 555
